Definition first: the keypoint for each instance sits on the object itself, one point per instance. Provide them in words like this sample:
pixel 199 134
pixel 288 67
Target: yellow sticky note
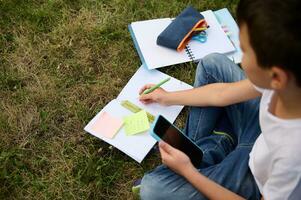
pixel 107 125
pixel 136 123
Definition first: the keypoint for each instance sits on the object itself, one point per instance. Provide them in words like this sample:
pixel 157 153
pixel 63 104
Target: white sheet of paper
pixel 146 33
pixel 143 76
pixel 137 146
pixel 217 40
pixel 155 56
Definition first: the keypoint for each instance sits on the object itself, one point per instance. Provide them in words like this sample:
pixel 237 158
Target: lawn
pixel 61 61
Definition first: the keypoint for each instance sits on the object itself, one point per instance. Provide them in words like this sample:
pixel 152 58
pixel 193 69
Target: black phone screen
pixel 171 135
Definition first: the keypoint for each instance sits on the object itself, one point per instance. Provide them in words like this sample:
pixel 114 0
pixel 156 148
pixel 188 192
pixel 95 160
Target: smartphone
pixel 162 129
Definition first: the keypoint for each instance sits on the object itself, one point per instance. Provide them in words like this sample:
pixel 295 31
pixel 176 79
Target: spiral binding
pixel 190 53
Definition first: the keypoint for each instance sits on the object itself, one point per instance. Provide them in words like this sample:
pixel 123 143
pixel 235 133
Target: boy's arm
pixel 215 94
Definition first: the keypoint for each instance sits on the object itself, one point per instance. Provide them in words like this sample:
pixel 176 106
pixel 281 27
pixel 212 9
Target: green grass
pixel 56 60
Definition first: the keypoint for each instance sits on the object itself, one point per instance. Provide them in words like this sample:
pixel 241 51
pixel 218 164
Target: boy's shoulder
pixel 289 148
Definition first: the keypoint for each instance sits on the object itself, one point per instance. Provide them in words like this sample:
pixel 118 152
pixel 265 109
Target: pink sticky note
pixel 107 125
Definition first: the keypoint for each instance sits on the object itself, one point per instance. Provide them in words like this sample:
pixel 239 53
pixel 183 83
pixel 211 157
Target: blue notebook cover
pixel 225 18
pixel 137 46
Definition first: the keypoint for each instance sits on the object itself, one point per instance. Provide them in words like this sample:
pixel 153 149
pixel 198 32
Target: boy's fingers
pixel 163 153
pixel 145 87
pixel 147 101
pixel 161 150
pixel 141 90
pixel 166 147
pixel 145 97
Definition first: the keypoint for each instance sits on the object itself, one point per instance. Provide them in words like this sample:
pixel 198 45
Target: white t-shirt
pixel 275 159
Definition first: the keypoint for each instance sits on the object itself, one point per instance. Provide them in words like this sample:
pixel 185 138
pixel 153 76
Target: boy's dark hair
pixel 274 28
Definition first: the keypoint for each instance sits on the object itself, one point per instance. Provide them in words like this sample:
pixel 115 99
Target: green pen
pixel 149 90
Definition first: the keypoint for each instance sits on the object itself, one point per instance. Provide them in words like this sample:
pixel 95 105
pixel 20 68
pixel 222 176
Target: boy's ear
pixel 279 78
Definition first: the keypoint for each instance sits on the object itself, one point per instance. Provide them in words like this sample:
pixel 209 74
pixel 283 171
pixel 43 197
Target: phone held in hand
pixel 162 129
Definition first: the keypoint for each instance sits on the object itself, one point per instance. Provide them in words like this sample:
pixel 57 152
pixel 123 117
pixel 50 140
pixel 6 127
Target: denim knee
pixel 207 66
pixel 216 67
pixel 162 183
pixel 150 188
pixel 214 60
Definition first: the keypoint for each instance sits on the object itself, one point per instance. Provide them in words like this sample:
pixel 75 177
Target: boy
pixel 242 161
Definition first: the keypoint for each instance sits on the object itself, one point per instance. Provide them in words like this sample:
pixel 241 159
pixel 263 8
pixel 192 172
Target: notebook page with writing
pixel 217 40
pixel 137 146
pixel 144 76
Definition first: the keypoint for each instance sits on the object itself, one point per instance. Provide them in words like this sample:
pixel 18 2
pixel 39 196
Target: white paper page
pixel 143 76
pixel 155 56
pixel 136 146
pixel 217 40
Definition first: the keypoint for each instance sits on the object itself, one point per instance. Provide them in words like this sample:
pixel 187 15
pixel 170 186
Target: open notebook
pixel 145 33
pixel 137 146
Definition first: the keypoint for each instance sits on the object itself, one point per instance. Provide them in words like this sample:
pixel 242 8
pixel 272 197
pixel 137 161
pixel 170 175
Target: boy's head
pixel 270 34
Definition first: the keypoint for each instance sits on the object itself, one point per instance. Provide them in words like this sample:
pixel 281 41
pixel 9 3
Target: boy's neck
pixel 288 103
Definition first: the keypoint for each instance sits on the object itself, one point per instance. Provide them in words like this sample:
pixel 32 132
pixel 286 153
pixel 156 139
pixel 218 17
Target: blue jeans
pixel 226 136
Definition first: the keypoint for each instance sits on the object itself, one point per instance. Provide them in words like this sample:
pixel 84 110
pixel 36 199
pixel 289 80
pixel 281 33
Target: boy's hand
pixel 175 159
pixel 158 95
